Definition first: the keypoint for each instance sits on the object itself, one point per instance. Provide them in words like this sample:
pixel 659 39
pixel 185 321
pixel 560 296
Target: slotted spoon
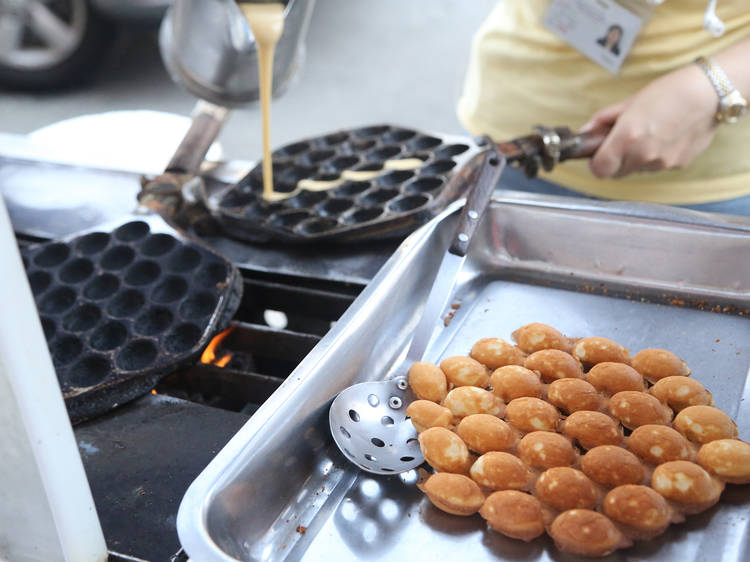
pixel 368 420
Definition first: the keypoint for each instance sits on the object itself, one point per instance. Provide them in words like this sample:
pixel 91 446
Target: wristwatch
pixel 732 105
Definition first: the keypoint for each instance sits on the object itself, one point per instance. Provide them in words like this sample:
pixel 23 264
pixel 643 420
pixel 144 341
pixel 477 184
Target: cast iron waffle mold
pixel 122 308
pixel 391 204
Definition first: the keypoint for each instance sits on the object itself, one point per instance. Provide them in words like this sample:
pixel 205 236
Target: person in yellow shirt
pixel 667 143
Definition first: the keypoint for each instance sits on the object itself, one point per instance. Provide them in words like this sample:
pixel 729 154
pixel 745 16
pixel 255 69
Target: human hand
pixel 664 126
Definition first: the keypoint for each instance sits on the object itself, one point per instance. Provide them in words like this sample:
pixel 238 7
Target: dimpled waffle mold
pixel 392 203
pixel 120 309
pixel 572 437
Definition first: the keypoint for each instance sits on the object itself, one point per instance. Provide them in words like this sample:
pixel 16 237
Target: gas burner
pixel 140 458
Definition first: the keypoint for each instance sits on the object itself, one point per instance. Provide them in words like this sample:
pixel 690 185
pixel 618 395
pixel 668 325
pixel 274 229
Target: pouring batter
pixel 404 164
pixel 310 184
pixel 267 23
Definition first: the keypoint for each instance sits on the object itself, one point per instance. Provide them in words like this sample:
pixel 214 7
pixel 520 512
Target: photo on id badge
pixel 602 30
pixel 611 39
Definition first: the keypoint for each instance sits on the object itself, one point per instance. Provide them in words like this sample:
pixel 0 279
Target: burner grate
pixel 163 440
pixel 262 357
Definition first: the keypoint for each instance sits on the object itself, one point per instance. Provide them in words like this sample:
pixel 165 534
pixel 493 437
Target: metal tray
pixel 642 275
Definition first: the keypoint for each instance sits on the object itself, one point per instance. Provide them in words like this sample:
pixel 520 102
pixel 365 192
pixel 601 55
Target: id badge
pixel 602 30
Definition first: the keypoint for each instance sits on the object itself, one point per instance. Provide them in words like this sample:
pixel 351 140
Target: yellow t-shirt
pixel 520 75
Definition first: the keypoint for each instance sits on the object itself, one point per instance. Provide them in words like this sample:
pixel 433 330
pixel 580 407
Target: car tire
pixel 73 68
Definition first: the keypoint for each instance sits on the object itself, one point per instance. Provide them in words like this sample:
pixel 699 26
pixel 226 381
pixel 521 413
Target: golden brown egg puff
pixel 553 364
pixel 465 371
pixel 680 392
pixel 612 466
pixel 494 353
pixel 501 471
pixel 655 364
pixel 635 409
pixel 535 337
pixel 591 351
pixel 514 514
pixel 586 533
pixel 444 450
pixel 591 429
pixel 564 488
pixel 467 400
pixel 453 493
pixel 687 484
pixel 545 449
pixel 611 378
pixel 513 381
pixel 428 381
pixel 703 424
pixel 572 395
pixel 643 512
pixel 532 414
pixel 657 444
pixel 483 433
pixel 729 459
pixel 425 414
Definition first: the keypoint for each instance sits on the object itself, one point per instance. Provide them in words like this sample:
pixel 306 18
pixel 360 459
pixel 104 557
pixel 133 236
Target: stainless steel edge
pixel 635 209
pixel 191 517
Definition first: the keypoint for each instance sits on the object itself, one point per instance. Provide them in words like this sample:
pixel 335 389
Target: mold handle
pixel 550 145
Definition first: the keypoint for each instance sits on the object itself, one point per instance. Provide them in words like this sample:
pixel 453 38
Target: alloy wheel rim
pixel 38 34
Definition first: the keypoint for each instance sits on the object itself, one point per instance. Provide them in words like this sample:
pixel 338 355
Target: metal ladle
pixel 368 420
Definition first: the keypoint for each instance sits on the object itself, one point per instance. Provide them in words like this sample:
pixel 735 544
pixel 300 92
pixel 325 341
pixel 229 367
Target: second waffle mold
pixel 122 308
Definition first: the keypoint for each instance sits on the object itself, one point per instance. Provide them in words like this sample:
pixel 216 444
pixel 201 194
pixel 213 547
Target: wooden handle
pixel 549 146
pixel 583 145
pixel 477 201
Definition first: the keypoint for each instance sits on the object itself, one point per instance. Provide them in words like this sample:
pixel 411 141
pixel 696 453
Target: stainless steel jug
pixel 209 49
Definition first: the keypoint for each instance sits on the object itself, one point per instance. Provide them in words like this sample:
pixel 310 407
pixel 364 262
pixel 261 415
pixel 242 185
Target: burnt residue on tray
pixel 121 309
pixel 392 203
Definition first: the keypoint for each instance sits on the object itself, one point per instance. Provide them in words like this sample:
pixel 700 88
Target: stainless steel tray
pixel 642 275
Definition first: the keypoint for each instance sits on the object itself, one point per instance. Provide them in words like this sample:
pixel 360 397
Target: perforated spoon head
pixel 370 427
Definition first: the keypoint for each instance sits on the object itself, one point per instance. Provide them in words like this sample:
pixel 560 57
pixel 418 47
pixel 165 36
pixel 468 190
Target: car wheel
pixel 50 43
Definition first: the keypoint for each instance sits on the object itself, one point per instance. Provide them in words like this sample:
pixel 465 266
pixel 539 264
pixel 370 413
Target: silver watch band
pixel 716 75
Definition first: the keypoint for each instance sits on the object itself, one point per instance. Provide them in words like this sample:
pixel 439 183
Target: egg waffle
pixel 595 447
